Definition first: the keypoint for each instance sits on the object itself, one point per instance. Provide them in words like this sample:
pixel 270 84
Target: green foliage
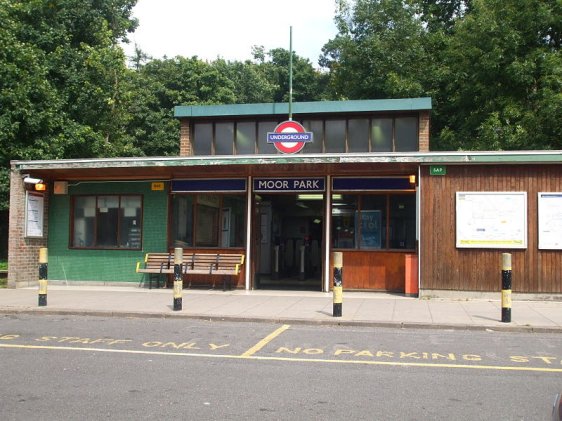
pixel 503 77
pixel 492 67
pixel 61 74
pixel 379 51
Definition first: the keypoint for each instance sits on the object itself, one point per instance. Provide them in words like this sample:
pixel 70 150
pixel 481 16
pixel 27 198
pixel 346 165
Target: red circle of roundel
pixel 281 127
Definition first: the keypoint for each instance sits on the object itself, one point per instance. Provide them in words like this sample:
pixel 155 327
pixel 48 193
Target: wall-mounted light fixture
pixel 35 183
pixel 31 180
pixel 412 179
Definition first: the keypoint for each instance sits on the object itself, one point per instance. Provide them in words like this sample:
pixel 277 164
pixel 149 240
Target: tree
pixel 379 51
pixel 308 83
pixel 61 74
pixel 503 73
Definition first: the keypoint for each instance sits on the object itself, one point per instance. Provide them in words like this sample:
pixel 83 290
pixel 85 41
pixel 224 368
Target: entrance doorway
pixel 289 239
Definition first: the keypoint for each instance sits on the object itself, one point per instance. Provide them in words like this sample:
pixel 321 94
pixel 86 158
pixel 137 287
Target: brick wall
pixel 23 253
pixel 424 131
pixel 186 147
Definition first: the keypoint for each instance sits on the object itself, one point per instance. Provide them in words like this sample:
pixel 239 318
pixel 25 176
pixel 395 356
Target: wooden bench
pixel 158 266
pixel 212 264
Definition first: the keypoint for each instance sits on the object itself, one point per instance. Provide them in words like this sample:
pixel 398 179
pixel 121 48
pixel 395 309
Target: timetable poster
pixel 491 220
pixel 550 221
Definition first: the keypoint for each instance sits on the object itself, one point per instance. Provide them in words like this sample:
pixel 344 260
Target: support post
pixel 506 287
pixel 276 262
pixel 302 274
pixel 178 283
pixel 43 261
pixel 337 258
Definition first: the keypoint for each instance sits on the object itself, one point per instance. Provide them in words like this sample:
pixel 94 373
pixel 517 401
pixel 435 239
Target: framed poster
pixel 371 229
pixel 491 220
pixel 34 205
pixel 550 221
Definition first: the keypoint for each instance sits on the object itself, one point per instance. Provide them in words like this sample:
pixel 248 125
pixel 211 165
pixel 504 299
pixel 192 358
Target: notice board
pixel 34 205
pixel 491 220
pixel 550 221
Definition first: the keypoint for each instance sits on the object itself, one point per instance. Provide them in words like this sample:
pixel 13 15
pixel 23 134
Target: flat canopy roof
pixel 317 107
pixel 420 158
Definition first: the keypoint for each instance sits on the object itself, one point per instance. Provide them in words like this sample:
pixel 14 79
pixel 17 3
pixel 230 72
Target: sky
pixel 211 29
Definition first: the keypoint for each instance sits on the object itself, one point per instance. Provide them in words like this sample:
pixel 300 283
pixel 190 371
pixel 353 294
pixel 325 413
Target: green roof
pixel 318 107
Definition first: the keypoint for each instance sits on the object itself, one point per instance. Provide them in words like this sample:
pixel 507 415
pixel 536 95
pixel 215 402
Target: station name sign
pixel 301 184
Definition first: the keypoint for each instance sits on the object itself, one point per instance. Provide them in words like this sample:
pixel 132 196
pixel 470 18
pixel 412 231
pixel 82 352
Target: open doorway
pixel 289 238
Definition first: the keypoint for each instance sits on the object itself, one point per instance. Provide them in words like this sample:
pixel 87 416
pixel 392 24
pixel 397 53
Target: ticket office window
pixel 107 222
pixel 208 220
pixel 374 221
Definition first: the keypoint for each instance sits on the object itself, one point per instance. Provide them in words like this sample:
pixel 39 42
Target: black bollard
pixel 338 287
pixel 178 283
pixel 43 260
pixel 506 287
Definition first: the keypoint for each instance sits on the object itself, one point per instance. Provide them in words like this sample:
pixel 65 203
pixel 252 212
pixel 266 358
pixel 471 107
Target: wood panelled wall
pixel 445 267
pixel 373 270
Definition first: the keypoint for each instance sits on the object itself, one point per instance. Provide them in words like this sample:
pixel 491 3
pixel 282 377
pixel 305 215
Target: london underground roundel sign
pixel 289 137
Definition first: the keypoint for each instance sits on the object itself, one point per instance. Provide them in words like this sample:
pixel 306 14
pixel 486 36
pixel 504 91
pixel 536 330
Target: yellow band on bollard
pixel 42 286
pixel 43 253
pixel 337 258
pixel 506 298
pixel 178 256
pixel 178 285
pixel 338 295
pixel 506 261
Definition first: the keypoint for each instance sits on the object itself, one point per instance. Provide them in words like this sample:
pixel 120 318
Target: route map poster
pixel 550 221
pixel 491 220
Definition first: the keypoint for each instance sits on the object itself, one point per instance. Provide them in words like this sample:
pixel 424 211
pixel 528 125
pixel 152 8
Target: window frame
pixel 307 120
pixel 196 204
pixel 385 226
pixel 96 245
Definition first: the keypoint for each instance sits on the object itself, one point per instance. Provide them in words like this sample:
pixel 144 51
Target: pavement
pixel 290 307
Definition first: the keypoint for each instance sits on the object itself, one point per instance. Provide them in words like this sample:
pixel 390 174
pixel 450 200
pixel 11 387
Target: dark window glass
pixel 335 136
pixel 207 211
pixel 381 135
pixel 202 138
pixel 84 226
pixel 358 135
pixel 317 128
pixel 182 221
pixel 344 211
pixel 373 222
pixel 406 138
pixel 108 221
pixel 233 221
pixel 403 221
pixel 224 138
pixel 246 138
pixel 263 128
pixel 129 227
pixel 208 220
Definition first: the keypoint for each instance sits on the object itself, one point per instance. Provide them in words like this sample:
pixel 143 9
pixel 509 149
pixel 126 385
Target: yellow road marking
pixel 265 341
pixel 287 359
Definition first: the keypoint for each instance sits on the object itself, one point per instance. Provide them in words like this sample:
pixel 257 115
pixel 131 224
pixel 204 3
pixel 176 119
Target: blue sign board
pixel 371 183
pixel 209 185
pixel 301 184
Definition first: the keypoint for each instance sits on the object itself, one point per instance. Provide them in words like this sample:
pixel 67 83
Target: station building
pixel 357 177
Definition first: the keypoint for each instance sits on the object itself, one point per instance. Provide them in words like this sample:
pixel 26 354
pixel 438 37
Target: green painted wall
pixel 104 265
